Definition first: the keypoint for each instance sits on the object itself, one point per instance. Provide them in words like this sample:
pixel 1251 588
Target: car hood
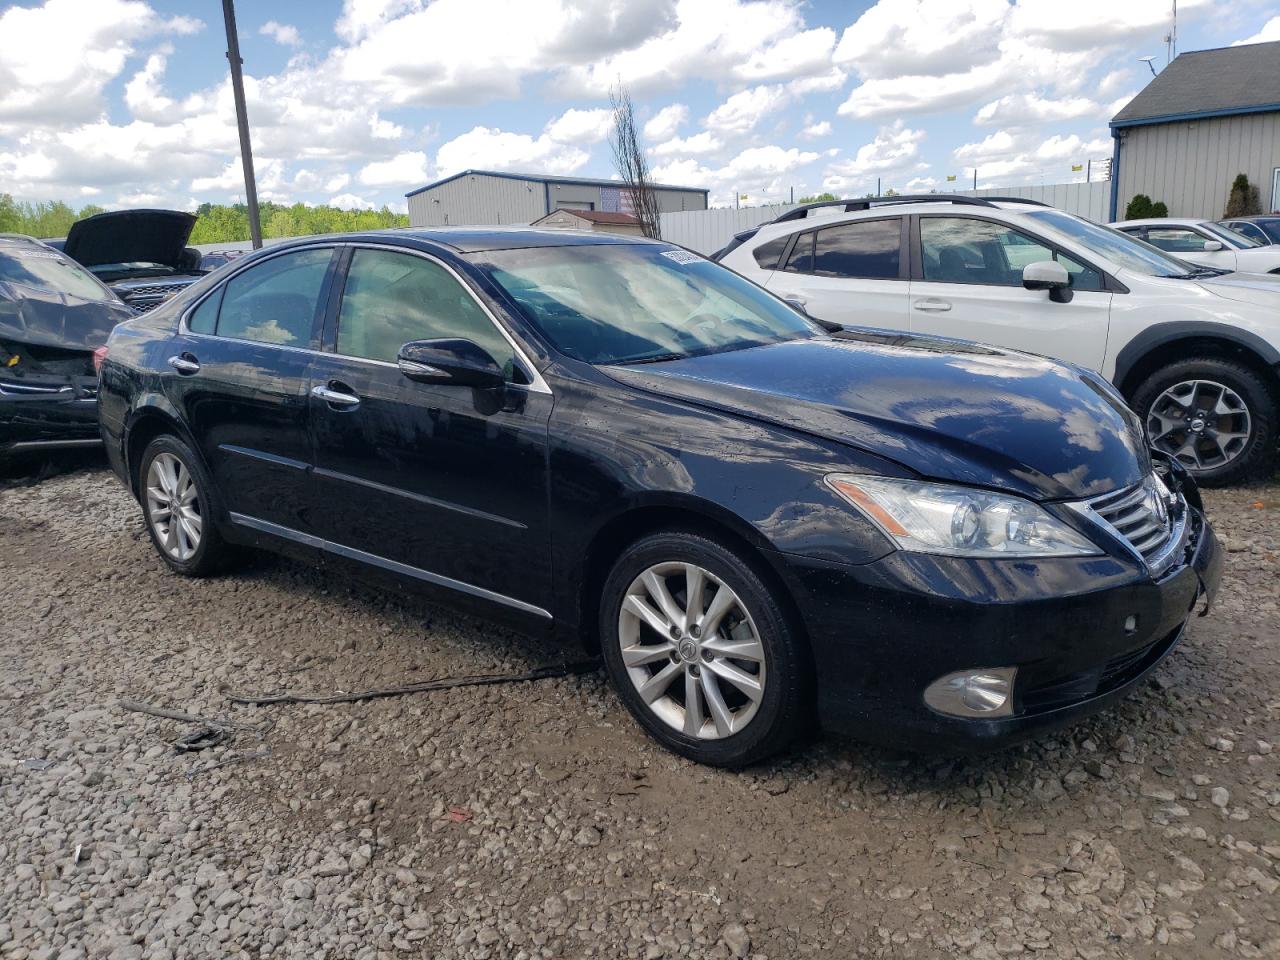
pixel 130 236
pixel 947 410
pixel 1262 289
pixel 40 317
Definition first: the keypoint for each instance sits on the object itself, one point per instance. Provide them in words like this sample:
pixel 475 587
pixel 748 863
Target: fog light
pixel 1131 625
pixel 973 693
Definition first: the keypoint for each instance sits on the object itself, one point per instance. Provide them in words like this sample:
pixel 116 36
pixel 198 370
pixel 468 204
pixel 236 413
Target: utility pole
pixel 975 178
pixel 242 121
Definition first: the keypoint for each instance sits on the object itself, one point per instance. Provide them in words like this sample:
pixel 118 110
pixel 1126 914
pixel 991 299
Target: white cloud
pixel 695 145
pixel 581 126
pixel 384 129
pixel 349 201
pixel 337 182
pixel 814 131
pixel 1269 32
pixel 1022 153
pixel 895 151
pixel 282 33
pixel 492 149
pixel 58 58
pixel 404 169
pixel 742 111
pixel 664 124
pixel 1017 109
pixel 761 173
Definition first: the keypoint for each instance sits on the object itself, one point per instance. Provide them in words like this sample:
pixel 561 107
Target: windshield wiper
pixel 659 358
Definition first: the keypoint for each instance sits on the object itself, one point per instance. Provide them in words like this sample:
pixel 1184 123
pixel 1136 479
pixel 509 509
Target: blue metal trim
pixel 1202 115
pixel 584 181
pixel 1115 177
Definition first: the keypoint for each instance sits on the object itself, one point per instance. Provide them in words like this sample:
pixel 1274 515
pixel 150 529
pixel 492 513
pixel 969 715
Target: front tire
pixel 1214 416
pixel 702 651
pixel 179 504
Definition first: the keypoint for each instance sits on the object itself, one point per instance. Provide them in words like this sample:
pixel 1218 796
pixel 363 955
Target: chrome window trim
pixel 536 385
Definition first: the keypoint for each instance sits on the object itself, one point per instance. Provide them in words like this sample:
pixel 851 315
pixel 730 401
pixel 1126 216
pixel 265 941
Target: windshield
pixel 631 303
pixel 32 266
pixel 1230 237
pixel 1122 249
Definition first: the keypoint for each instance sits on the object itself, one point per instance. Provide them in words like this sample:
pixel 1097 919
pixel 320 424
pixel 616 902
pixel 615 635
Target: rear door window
pixel 276 301
pixel 865 249
pixel 768 254
pixel 801 259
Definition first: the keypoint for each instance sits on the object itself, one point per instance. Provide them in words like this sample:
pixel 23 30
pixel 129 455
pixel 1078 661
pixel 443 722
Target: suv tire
pixel 179 507
pixel 1198 392
pixel 736 649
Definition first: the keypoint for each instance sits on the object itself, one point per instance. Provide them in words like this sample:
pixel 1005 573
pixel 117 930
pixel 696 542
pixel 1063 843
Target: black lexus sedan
pixel 758 522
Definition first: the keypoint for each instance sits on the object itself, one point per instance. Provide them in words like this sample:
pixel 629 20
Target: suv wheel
pixel 1216 417
pixel 702 652
pixel 178 504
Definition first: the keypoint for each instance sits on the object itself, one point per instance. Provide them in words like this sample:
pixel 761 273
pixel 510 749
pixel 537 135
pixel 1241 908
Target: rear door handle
pixel 185 364
pixel 344 398
pixel 933 304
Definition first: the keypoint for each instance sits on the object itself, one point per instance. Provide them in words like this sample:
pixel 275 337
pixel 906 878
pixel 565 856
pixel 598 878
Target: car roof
pixel 473 239
pixel 835 214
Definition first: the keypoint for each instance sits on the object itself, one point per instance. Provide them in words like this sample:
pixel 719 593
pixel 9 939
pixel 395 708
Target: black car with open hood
pixel 53 315
pixel 141 254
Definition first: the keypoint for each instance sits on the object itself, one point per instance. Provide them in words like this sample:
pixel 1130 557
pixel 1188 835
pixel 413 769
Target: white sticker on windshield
pixel 681 256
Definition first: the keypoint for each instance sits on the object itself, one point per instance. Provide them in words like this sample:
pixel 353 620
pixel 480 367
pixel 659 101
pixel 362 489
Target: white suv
pixel 1195 350
pixel 1205 242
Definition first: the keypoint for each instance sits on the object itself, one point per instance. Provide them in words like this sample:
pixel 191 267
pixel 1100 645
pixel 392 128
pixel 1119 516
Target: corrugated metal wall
pixel 1190 166
pixel 706 231
pixel 478 199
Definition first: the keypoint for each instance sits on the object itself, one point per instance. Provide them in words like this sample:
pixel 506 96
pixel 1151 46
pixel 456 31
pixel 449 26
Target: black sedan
pixel 757 521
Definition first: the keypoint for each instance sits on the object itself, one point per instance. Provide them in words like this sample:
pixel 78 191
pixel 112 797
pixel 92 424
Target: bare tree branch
pixel 629 161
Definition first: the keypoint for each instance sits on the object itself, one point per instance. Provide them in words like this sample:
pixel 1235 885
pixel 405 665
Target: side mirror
pixel 455 363
pixel 1212 246
pixel 1048 275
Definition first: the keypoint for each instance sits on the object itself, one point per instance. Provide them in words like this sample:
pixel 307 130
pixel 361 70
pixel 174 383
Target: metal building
pixel 1208 116
pixel 490 197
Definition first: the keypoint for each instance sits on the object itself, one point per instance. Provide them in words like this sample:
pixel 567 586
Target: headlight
pixel 959 521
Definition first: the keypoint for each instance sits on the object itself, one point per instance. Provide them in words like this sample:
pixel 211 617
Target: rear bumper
pixel 883 632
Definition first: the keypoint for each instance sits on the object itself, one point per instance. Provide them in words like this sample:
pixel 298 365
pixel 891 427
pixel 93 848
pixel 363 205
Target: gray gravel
pixel 536 821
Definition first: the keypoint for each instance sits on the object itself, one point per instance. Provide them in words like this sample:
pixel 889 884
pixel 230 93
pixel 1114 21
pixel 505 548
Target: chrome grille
pixel 149 296
pixel 1139 514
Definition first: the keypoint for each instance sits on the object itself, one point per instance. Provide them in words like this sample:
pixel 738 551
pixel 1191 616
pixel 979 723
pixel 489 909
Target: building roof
pixel 597 216
pixel 546 178
pixel 1209 83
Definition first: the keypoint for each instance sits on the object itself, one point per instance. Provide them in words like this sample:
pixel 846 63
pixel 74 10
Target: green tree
pixel 1139 208
pixel 1243 200
pixel 818 198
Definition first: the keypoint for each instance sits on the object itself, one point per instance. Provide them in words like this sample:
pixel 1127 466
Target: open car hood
pixel 130 236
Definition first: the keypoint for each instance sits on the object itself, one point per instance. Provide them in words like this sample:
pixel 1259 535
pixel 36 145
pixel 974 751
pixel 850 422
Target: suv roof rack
pixel 864 203
pixel 1034 203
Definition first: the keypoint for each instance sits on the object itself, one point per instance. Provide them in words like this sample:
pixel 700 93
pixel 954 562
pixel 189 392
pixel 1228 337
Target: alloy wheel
pixel 173 507
pixel 1202 424
pixel 691 650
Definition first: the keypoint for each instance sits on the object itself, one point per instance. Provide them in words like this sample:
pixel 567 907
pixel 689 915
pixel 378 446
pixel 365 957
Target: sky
pixel 355 102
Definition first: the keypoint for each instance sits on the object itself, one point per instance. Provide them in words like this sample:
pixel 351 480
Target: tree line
pixel 217 223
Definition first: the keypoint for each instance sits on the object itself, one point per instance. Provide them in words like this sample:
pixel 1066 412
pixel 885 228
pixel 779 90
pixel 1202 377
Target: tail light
pixel 99 358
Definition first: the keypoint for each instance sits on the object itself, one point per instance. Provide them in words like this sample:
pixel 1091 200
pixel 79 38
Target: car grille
pixel 1139 514
pixel 145 298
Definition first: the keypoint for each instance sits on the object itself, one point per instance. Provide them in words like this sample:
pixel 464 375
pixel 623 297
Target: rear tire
pixel 179 507
pixel 1197 410
pixel 734 649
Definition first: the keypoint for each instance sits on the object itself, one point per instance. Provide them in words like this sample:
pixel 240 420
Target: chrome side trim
pixel 264 456
pixel 418 497
pixel 52 444
pixel 394 566
pixel 537 384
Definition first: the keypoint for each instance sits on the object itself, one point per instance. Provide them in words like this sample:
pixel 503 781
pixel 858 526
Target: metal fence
pixel 706 231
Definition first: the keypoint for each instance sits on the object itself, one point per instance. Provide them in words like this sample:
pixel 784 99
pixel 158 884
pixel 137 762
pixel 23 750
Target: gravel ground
pixel 537 821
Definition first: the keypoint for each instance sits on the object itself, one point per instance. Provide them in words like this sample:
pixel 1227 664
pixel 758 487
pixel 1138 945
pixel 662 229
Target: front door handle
pixel 933 305
pixel 185 364
pixel 337 398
